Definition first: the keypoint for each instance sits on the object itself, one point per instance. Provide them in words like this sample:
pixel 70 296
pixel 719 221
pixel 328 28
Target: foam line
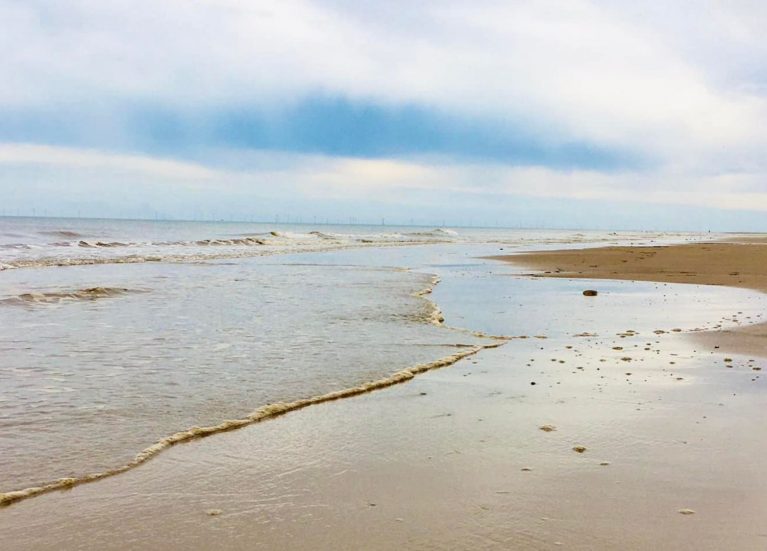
pixel 273 410
pixel 261 414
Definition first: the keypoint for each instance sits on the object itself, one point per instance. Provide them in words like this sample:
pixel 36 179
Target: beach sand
pixel 614 437
pixel 742 263
pixel 456 459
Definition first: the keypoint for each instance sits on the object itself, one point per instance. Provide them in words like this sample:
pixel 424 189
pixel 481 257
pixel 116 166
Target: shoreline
pixel 271 411
pixel 740 263
pixel 598 441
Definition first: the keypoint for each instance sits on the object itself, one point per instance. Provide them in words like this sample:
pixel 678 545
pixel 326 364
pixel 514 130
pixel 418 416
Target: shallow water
pixel 438 463
pixel 105 353
pixel 87 384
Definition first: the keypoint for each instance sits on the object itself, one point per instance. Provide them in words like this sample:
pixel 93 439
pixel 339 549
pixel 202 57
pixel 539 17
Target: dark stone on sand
pixel 589 293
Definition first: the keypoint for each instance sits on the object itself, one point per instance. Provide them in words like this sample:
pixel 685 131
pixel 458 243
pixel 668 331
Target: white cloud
pixel 682 83
pixel 308 178
pixel 732 191
pixel 573 68
pixel 41 155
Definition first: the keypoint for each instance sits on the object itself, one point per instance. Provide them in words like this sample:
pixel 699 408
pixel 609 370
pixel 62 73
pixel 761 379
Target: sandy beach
pixel 742 262
pixel 613 429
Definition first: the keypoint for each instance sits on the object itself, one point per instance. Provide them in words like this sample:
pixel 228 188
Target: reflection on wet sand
pixel 616 431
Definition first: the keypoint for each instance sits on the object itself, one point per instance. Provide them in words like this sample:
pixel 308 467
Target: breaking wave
pixel 86 252
pixel 61 233
pixel 54 297
pixel 261 414
pixel 436 232
pixel 268 411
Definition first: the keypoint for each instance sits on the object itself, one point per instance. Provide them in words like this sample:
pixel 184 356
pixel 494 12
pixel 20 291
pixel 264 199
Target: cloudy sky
pixel 559 113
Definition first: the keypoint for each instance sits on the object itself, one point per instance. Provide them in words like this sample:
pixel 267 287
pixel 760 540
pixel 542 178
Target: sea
pixel 116 335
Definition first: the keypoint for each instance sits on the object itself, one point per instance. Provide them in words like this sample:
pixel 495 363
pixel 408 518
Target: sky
pixel 555 113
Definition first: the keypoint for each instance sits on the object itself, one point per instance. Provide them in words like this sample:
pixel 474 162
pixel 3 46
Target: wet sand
pixel 741 262
pixel 456 459
pixel 611 436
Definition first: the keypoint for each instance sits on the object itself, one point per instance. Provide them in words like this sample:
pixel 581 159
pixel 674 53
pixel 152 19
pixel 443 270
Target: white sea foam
pixel 97 251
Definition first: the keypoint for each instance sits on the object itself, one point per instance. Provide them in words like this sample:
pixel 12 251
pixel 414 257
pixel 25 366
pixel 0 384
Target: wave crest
pixel 54 297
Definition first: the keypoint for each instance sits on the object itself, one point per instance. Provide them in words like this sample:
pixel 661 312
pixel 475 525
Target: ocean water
pixel 115 334
pixel 40 242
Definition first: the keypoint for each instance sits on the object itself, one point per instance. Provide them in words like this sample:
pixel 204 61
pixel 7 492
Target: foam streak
pixel 261 414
